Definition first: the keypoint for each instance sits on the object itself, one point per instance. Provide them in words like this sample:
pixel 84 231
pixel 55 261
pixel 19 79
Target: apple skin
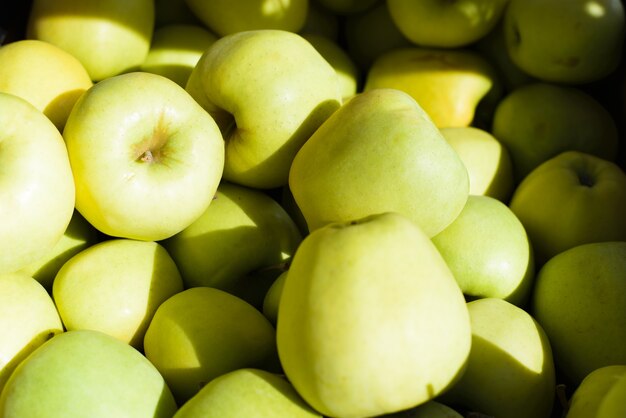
pixel 569 200
pixel 202 333
pixel 347 7
pixel 449 84
pixel 538 120
pixel 271 302
pixel 108 37
pixel 242 231
pixel 488 251
pixel 601 394
pixel 377 154
pixel 115 287
pixel 78 371
pixel 28 318
pixel 160 156
pixel 446 24
pixel 37 192
pixel 578 299
pixel 430 409
pixel 247 392
pixel 225 17
pixel 510 371
pixel 590 38
pixel 371 288
pixel 176 49
pixel 60 77
pixel 487 160
pixel 283 91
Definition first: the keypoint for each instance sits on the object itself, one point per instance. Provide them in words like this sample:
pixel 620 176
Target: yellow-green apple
pixel 430 409
pixel 379 152
pixel 36 186
pixel 601 394
pixel 371 320
pixel 338 57
pixel 225 17
pixel 176 49
pixel 590 36
pixel 28 318
pixel 446 24
pixel 86 371
pixel 578 299
pixel 370 33
pixel 569 200
pixel 252 287
pixel 272 298
pixel 448 84
pixel 160 156
pixel 247 392
pixel 288 202
pixel 321 21
pixel 510 371
pixel 78 235
pixel 539 120
pixel 48 77
pixel 347 7
pixel 243 230
pixel 488 251
pixel 108 37
pixel 268 90
pixel 487 160
pixel 115 287
pixel 202 333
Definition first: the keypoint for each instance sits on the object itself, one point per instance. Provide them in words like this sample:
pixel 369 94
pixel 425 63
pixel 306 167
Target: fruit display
pixel 313 208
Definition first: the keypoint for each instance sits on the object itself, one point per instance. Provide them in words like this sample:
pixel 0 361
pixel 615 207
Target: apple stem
pixel 561 396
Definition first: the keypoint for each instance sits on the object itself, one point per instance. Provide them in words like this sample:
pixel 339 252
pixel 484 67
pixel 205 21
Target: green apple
pixel 48 77
pixel 159 160
pixel 243 230
pixel 510 371
pixel 108 37
pixel 78 372
pixel 601 394
pixel 379 152
pixel 487 250
pixel 268 90
pixel 247 392
pixel 226 17
pixel 340 60
pixel 571 199
pixel 28 318
pixel 288 202
pixel 321 21
pixel 579 299
pixel 371 320
pixel 430 409
pixel 370 33
pixel 202 333
pixel 272 298
pixel 347 7
pixel 176 49
pixel 79 235
pixel 537 121
pixel 115 287
pixel 580 43
pixel 487 160
pixel 449 84
pixel 446 24
pixel 253 287
pixel 36 186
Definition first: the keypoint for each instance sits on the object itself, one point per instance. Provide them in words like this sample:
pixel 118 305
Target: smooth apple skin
pixel 579 298
pixel 577 44
pixel 60 77
pixel 78 371
pixel 430 409
pixel 510 370
pixel 601 394
pixel 371 320
pixel 36 185
pixel 146 158
pixel 247 392
pixel 379 152
pixel 571 199
pixel 488 251
pixel 108 37
pixel 28 318
pixel 446 24
pixel 115 287
pixel 268 90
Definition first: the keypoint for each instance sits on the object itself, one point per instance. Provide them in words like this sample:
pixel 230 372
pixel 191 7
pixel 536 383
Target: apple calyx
pixel 151 150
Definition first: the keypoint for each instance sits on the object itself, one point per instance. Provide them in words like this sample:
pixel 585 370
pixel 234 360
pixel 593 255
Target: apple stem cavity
pixel 585 179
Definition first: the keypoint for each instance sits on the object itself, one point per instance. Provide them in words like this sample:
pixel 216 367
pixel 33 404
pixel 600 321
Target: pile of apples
pixel 313 208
